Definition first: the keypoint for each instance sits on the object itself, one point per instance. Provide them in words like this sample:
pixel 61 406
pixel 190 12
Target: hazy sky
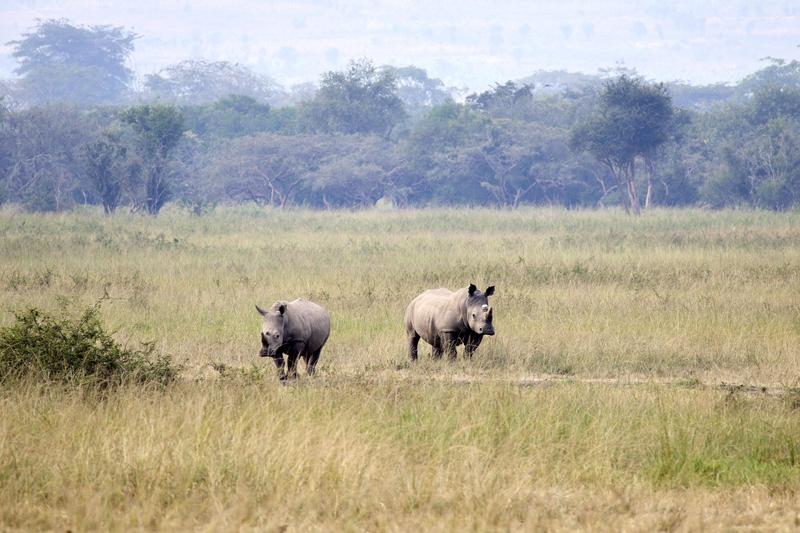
pixel 464 42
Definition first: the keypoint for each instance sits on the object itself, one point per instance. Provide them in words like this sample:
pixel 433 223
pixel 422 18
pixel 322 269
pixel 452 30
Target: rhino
pixel 446 319
pixel 296 328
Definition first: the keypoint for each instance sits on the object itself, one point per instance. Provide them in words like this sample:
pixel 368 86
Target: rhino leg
pixel 311 362
pixel 450 341
pixel 436 351
pixel 279 366
pixel 291 367
pixel 291 360
pixel 413 344
pixel 471 344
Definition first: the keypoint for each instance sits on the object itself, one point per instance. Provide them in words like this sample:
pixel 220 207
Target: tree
pixel 753 144
pixel 515 163
pixel 675 166
pixel 446 126
pixel 561 81
pixel 103 160
pixel 765 171
pixel 700 97
pixel 158 128
pixel 201 82
pixel 357 170
pixel 7 143
pixel 265 168
pixel 418 91
pixel 632 121
pixel 236 116
pixel 773 101
pixel 362 99
pixel 61 62
pixel 531 163
pixel 434 141
pixel 549 104
pixel 508 100
pixel 780 74
pixel 43 157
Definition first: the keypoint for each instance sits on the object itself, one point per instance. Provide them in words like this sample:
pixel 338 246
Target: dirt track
pixel 549 380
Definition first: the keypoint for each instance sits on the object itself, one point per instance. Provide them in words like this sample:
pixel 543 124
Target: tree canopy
pixel 158 129
pixel 361 99
pixel 632 121
pixel 59 62
pixel 201 82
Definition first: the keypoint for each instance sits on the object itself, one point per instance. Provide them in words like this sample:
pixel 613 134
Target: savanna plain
pixel 645 374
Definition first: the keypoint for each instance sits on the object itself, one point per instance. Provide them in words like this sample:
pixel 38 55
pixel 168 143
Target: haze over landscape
pixel 465 43
pixel 516 266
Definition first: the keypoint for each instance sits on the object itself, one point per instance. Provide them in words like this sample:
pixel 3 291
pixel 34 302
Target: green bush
pixel 66 349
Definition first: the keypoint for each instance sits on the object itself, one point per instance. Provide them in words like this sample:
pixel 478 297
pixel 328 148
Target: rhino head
pixel 479 312
pixel 272 330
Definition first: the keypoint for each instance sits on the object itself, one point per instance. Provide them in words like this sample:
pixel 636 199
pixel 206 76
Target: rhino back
pixel 309 323
pixel 434 311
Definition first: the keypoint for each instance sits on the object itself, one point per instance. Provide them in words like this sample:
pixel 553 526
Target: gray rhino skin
pixel 446 319
pixel 296 328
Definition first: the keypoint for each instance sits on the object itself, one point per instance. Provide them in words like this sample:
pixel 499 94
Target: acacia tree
pixel 514 163
pixel 418 91
pixel 755 146
pixel 265 168
pixel 201 82
pixel 770 155
pixel 43 149
pixel 507 100
pixel 432 148
pixel 358 170
pixel 362 99
pixel 103 161
pixel 763 170
pixel 526 162
pixel 158 128
pixel 61 62
pixel 632 120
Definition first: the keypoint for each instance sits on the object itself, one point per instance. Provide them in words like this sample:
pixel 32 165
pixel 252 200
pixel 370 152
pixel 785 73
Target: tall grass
pixel 666 303
pixel 342 455
pixel 685 294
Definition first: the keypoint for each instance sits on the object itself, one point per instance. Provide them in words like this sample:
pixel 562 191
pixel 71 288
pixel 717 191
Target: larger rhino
pixel 297 328
pixel 446 319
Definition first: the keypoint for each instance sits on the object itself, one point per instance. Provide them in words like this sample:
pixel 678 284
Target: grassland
pixel 607 400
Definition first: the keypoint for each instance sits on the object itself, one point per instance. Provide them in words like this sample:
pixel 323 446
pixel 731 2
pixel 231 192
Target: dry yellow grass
pixel 676 300
pixel 348 455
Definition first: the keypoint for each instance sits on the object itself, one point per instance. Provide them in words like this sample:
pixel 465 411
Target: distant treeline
pixel 73 132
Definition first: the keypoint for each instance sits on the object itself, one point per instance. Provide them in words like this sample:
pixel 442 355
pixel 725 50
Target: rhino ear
pixel 471 289
pixel 489 290
pixel 261 311
pixel 282 309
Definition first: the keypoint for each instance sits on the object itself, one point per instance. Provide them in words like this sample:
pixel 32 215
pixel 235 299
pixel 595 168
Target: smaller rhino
pixel 296 328
pixel 446 319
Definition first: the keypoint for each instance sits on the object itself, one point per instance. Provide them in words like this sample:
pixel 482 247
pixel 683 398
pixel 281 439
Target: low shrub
pixel 76 348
